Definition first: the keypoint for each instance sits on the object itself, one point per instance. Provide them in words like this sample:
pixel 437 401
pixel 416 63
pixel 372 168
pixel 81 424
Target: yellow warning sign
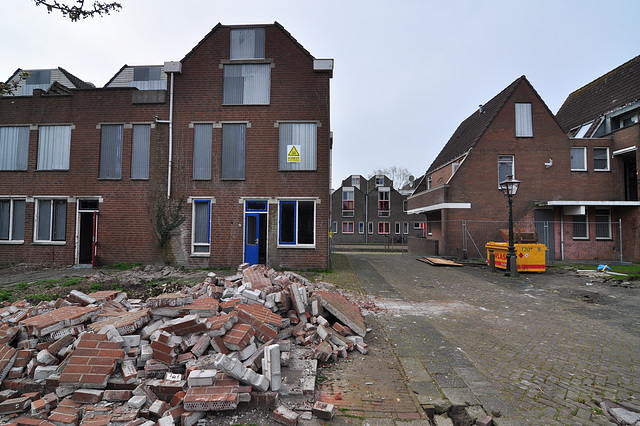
pixel 293 153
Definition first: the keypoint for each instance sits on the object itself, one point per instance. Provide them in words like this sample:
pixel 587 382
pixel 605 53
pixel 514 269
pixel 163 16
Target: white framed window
pixel 383 227
pixel 524 126
pixel 111 151
pixel 578 159
pixel 12 220
pixel 140 149
pixel 355 181
pixel 347 227
pixel 247 43
pixel 246 84
pixel 429 182
pixel 347 201
pixel 297 146
pixel 580 227
pixel 360 227
pixel 296 227
pixel 505 167
pixel 370 227
pixel 201 227
pixel 234 141
pixel 397 226
pixel 405 228
pixel 202 141
pixel 379 180
pixel 334 227
pixel 603 224
pixel 51 220
pixel 601 159
pixel 384 194
pixel 54 145
pixel 14 148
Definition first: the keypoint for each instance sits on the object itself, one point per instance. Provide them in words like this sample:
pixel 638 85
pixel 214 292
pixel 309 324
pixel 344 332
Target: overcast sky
pixel 407 72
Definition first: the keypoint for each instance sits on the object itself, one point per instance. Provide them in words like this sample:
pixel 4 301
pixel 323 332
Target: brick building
pixel 233 141
pixel 578 192
pixel 371 211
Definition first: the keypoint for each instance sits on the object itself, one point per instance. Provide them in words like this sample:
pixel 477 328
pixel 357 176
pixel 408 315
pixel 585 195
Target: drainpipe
pixel 171 68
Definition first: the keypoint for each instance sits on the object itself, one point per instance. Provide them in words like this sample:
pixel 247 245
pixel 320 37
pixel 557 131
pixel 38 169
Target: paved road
pixel 540 349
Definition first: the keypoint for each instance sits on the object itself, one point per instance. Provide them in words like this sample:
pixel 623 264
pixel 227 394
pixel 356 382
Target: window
pixel 397 228
pixel 111 151
pixel 405 228
pixel 38 79
pixel 297 223
pixel 429 182
pixel 14 148
pixel 234 138
pixel 347 227
pixel 246 84
pixel 360 227
pixel 405 205
pixel 370 227
pixel 355 181
pixel 201 229
pixel 383 202
pixel 51 220
pixel 148 78
pixel 300 139
pixel 247 43
pixel 580 229
pixel 140 146
pixel 54 144
pixel 505 167
pixel 582 130
pixel 603 224
pixel 524 127
pixel 601 159
pixel 383 227
pixel 624 120
pixel 12 220
pixel 454 167
pixel 347 201
pixel 579 158
pixel 429 224
pixel 334 227
pixel 379 180
pixel 202 137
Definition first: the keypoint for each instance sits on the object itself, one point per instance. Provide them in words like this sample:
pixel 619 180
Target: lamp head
pixel 509 186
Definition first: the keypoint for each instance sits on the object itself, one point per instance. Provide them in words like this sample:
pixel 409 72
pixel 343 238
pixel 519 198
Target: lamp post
pixel 509 187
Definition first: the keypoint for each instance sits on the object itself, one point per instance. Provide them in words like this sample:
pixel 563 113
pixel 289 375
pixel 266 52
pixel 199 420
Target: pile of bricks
pixel 253 338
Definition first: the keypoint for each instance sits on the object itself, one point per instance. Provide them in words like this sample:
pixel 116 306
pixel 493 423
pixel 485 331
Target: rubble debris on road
pixel 253 338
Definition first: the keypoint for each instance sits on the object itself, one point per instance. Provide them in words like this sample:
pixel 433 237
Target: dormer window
pixel 148 78
pixel 38 79
pixel 247 43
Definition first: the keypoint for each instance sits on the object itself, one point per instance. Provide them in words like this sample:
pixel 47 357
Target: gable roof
pixel 79 84
pixel 613 90
pixel 470 130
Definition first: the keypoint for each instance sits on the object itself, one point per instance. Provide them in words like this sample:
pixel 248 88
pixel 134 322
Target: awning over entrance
pixel 439 207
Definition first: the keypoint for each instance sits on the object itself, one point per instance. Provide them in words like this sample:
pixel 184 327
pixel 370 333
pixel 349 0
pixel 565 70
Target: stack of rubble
pixel 104 359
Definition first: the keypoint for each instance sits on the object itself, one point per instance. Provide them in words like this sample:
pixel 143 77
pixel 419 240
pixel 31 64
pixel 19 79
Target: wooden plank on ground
pixel 436 261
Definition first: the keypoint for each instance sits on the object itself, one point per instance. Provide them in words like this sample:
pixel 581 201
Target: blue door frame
pixel 255 232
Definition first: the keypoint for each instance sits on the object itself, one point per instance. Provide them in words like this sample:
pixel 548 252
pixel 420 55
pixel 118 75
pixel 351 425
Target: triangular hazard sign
pixel 294 152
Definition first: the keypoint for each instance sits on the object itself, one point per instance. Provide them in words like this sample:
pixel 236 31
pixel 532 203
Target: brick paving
pixel 514 347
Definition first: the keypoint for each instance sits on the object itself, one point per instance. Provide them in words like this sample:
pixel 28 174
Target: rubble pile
pixel 253 338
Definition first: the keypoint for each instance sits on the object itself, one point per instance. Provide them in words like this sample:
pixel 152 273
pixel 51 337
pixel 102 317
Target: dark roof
pixel 470 130
pixel 613 90
pixel 79 84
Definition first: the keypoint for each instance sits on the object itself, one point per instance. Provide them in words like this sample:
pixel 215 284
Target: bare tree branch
pixel 78 11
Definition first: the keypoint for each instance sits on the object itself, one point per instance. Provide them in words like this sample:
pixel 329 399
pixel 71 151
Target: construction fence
pixel 565 241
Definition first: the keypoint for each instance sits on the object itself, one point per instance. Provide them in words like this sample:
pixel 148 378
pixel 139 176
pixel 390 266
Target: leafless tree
pixel 79 10
pixel 399 175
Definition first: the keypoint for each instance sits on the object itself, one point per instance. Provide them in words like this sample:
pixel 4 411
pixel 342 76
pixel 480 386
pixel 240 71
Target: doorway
pixel 255 232
pixel 86 249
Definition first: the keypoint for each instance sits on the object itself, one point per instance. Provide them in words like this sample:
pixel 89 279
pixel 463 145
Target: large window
pixel 579 159
pixel 202 137
pixel 14 148
pixel 12 220
pixel 603 224
pixel 54 144
pixel 297 223
pixel 383 227
pixel 51 220
pixel 347 201
pixel 111 151
pixel 347 227
pixel 246 84
pixel 601 159
pixel 580 228
pixel 234 137
pixel 148 78
pixel 524 127
pixel 297 146
pixel 505 167
pixel 201 228
pixel 37 79
pixel 383 201
pixel 140 147
pixel 247 43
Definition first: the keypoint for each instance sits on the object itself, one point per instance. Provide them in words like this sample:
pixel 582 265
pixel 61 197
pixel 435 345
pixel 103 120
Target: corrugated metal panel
pixel 14 148
pixel 302 134
pixel 44 220
pixel 111 151
pixel 247 43
pixel 202 139
pixel 54 143
pixel 248 84
pixel 140 151
pixel 524 127
pixel 233 151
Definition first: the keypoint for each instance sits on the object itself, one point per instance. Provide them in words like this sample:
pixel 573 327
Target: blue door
pixel 251 238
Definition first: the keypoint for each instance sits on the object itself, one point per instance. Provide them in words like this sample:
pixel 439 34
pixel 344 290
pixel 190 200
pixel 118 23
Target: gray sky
pixel 407 72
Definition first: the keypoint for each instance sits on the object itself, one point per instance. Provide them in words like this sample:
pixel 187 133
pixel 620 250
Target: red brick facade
pixel 126 231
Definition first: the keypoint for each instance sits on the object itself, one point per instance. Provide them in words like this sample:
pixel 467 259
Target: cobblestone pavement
pixel 529 350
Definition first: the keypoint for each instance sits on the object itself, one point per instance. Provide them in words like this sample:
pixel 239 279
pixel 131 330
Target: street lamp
pixel 509 187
